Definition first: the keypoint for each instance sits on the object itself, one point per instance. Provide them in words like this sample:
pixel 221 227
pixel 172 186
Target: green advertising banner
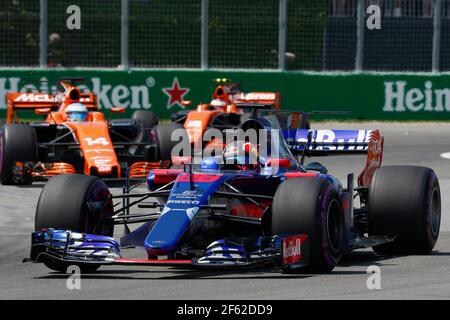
pixel 377 96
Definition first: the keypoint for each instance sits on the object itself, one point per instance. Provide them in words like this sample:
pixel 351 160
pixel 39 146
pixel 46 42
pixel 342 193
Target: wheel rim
pixel 435 212
pixel 334 226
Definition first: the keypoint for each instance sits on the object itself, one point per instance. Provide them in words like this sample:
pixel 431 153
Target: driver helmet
pixel 241 155
pixel 77 112
pixel 218 103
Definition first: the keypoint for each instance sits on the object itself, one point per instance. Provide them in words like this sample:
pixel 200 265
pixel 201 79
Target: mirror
pixel 118 109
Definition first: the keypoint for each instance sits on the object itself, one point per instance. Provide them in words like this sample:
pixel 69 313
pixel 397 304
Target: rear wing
pixel 325 142
pixel 268 98
pixel 340 142
pixel 31 101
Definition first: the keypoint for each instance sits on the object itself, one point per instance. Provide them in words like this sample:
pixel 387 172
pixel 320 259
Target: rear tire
pixel 405 202
pixel 149 118
pixel 63 205
pixel 17 143
pixel 311 206
pixel 164 144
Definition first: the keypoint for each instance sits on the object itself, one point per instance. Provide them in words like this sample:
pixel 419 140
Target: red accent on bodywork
pixel 282 163
pixel 198 178
pixel 290 175
pixel 165 176
pixel 179 161
pixel 249 209
pixel 152 262
pixel 374 158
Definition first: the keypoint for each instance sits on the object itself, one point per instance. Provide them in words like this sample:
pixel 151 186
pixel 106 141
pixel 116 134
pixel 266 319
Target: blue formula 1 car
pixel 278 213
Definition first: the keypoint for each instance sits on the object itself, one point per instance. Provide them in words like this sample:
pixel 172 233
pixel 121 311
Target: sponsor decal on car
pixel 292 249
pixel 183 202
pixel 189 194
pixel 31 97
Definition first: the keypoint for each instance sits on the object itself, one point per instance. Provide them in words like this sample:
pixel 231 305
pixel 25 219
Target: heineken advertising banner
pixel 367 96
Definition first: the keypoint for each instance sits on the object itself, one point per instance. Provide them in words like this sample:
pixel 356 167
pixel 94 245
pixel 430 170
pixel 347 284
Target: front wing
pixel 71 248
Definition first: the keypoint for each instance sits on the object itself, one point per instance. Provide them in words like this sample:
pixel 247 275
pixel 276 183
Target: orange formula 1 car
pixel 228 109
pixel 75 137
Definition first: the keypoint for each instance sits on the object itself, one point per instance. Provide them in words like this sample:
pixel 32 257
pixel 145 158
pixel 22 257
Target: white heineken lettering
pixel 413 100
pixel 140 97
pixel 398 98
pixel 134 97
pixel 29 88
pixel 442 100
pixel 102 93
pixel 120 96
pixel 392 94
pixel 7 85
pixel 428 96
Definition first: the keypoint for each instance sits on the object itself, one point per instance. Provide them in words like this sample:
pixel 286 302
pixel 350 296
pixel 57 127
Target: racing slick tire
pixel 164 143
pixel 404 203
pixel 63 204
pixel 17 143
pixel 149 118
pixel 311 206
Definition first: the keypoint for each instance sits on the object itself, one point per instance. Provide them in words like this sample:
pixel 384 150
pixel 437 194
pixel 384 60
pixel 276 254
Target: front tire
pixel 63 204
pixel 405 203
pixel 311 206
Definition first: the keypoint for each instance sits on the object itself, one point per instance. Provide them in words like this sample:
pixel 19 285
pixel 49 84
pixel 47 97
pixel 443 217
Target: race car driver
pixel 218 104
pixel 77 112
pixel 241 155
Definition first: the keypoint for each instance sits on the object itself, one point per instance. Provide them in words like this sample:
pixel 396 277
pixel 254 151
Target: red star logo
pixel 175 94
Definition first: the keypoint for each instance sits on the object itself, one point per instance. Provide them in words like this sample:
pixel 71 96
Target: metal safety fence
pixel 320 35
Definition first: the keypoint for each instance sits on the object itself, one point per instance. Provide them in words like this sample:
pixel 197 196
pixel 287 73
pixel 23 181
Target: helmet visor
pixel 78 116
